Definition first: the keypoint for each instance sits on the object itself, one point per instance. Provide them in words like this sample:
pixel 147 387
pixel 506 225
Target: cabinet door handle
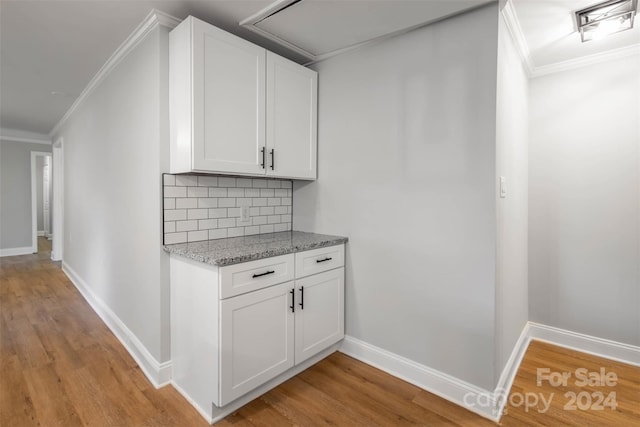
pixel 293 300
pixel 263 274
pixel 273 158
pixel 323 260
pixel 263 153
pixel 301 298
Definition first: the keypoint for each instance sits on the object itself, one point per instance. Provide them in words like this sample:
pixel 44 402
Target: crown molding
pixel 14 135
pixel 515 30
pixel 610 55
pixel 154 19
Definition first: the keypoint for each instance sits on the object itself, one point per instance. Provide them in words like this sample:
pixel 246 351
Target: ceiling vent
pixel 318 29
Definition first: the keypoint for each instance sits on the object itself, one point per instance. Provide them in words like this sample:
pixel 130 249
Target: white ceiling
pixel 322 28
pixel 59 45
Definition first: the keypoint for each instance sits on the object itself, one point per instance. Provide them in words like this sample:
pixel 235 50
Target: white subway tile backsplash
pixel 226 203
pixel 251 192
pixel 186 203
pixel 248 231
pixel 207 181
pixel 235 192
pixel 259 220
pixel 217 233
pixel 171 238
pixel 225 181
pixel 186 180
pixel 169 203
pixel 243 182
pixel 217 192
pixel 235 232
pixel 259 183
pixel 207 224
pixel 197 213
pixel 218 213
pixel 273 219
pixel 196 236
pixel 244 201
pixel 175 214
pixel 197 192
pixel 226 222
pixel 207 202
pixel 186 225
pixel 175 191
pixel 267 210
pixel 200 207
pixel 259 201
pixel 266 229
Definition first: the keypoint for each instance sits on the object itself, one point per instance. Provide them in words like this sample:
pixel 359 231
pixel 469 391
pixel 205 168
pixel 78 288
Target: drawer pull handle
pixel 301 298
pixel 263 274
pixel 293 300
pixel 323 260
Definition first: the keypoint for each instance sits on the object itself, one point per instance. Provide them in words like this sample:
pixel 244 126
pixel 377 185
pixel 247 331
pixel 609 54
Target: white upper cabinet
pixel 292 92
pixel 236 108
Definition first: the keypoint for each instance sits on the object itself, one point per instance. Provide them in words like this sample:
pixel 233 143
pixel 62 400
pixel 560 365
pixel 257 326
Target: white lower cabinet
pixel 320 313
pixel 224 348
pixel 256 339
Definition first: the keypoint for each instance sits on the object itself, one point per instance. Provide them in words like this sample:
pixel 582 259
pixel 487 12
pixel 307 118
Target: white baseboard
pixel 159 374
pixel 501 393
pixel 483 402
pixel 431 380
pixel 600 347
pixel 27 250
pixel 41 233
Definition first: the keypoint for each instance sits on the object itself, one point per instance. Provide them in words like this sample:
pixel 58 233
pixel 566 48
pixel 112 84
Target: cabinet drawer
pixel 318 260
pixel 249 276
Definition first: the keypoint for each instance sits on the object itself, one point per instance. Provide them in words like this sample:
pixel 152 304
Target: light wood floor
pixel 61 366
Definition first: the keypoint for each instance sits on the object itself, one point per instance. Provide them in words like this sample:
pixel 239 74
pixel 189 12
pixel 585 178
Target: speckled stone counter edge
pixel 251 254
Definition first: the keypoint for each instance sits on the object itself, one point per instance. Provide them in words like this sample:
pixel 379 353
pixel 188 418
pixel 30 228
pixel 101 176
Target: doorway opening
pixel 41 196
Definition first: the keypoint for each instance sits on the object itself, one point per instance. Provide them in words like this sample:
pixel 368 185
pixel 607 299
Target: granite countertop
pixel 235 250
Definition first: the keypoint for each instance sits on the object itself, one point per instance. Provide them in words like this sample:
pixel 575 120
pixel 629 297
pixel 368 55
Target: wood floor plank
pixel 53 403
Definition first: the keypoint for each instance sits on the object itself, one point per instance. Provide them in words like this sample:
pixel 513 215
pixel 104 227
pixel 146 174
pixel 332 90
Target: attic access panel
pixel 319 29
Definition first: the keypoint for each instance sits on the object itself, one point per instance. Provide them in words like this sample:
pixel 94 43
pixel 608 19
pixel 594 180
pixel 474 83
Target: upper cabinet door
pixel 228 102
pixel 292 93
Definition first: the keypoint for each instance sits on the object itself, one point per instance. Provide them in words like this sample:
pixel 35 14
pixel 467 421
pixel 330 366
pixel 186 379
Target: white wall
pixel 512 211
pixel 15 193
pixel 115 148
pixel 406 163
pixel 585 200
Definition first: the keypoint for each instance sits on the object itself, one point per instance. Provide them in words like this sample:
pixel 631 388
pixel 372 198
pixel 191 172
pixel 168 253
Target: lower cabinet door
pixel 256 339
pixel 319 312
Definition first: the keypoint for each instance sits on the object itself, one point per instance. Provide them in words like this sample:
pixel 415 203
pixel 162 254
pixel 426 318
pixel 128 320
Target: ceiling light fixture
pixel 603 19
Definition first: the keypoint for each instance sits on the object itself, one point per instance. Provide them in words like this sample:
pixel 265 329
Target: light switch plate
pixel 503 187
